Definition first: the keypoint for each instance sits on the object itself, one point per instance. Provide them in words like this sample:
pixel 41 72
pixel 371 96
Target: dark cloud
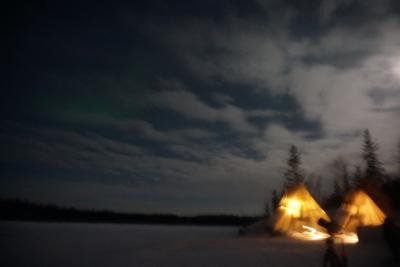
pixel 162 106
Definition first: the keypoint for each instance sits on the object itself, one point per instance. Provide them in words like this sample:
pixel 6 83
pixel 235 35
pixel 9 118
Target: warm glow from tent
pixel 346 238
pixel 298 214
pixel 292 207
pixel 310 233
pixel 357 210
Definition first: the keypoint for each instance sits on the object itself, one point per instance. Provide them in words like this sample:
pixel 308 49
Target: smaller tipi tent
pixel 298 215
pixel 358 209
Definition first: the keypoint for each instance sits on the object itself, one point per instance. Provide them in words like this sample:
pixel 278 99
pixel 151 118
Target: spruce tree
pixel 293 175
pixel 374 169
pixel 267 211
pixel 340 169
pixel 337 189
pixel 274 200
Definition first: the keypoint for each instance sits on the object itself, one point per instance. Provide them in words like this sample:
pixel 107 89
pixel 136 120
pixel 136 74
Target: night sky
pixel 190 107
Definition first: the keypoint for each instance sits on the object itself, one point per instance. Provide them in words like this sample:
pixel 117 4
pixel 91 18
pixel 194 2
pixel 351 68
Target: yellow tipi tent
pixel 298 213
pixel 358 209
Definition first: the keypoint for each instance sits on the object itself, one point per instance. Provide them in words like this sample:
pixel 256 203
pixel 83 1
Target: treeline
pixel 22 210
pixel 367 173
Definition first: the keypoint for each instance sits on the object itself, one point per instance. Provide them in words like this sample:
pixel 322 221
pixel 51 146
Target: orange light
pixel 310 233
pixel 292 207
pixel 346 238
pixel 298 215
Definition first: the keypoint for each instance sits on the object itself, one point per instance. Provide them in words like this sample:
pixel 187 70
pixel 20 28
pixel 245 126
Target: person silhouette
pixel 391 235
pixel 331 258
pixel 343 257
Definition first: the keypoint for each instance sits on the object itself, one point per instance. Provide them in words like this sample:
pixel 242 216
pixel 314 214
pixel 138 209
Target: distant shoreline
pixel 27 211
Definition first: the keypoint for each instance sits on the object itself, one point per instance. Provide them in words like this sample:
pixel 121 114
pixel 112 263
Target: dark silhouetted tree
pixel 267 210
pixel 293 174
pixel 341 181
pixel 374 170
pixel 336 197
pixel 274 200
pixel 337 189
pixel 357 176
pixel 340 170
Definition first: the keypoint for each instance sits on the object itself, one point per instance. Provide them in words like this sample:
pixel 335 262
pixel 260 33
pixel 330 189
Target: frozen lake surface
pixel 73 244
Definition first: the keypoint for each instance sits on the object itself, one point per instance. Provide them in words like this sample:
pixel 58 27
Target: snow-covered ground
pixel 70 244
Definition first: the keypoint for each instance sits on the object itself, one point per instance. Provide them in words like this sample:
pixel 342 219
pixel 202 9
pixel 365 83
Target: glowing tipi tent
pixel 357 209
pixel 298 214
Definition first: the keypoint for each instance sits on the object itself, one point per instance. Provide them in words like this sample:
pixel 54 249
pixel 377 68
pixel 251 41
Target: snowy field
pixel 72 244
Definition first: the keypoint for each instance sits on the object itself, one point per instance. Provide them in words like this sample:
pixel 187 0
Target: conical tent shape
pixel 298 211
pixel 358 209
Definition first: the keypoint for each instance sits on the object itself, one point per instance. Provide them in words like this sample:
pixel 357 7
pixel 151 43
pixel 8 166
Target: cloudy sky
pixel 190 106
